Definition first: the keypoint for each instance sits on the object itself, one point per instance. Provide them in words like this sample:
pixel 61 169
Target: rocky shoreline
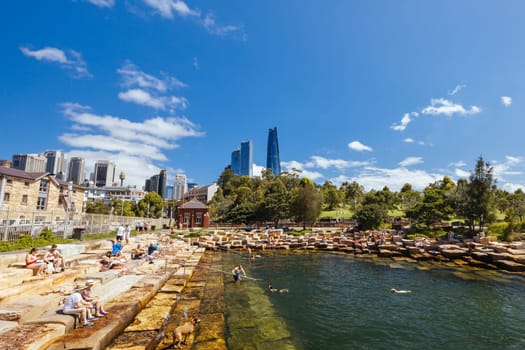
pixel 481 252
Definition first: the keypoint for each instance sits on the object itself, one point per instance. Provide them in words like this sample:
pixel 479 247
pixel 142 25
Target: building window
pixel 198 218
pixel 24 199
pixel 26 183
pixel 9 181
pixel 6 197
pixel 44 184
pixel 41 203
pixel 186 219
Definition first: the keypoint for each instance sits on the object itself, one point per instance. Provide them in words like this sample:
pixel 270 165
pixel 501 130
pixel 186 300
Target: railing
pixel 14 224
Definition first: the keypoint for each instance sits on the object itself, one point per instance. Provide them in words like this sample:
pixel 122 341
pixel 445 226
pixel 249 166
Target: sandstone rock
pixel 510 265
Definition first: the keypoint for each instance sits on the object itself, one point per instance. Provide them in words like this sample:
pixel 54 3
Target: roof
pixel 20 173
pixel 194 204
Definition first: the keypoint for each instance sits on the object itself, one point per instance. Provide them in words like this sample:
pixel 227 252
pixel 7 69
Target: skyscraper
pixel 236 162
pixel 104 174
pixel 56 163
pixel 76 172
pixel 32 163
pixel 246 158
pixel 272 157
pixel 157 183
pixel 179 187
pixel 163 177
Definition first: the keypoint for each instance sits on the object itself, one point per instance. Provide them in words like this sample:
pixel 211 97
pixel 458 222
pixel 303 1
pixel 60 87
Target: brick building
pixel 193 214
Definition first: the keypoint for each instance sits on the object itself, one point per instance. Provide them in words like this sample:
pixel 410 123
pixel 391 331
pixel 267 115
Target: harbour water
pixel 336 301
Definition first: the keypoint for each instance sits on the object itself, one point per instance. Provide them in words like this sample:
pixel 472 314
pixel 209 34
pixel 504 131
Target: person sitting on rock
pixel 95 300
pixel 54 256
pixel 76 305
pixel 33 262
pixel 137 253
pixel 116 247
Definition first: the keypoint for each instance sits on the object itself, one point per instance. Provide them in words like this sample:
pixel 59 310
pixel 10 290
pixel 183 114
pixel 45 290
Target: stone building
pixel 193 214
pixel 37 196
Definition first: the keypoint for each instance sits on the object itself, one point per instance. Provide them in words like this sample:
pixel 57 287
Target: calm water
pixel 339 302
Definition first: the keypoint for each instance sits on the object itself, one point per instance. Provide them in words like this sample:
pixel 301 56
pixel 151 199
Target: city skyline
pixel 382 93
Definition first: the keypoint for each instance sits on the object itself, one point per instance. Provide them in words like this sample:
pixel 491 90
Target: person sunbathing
pixel 33 262
pixel 138 253
pixel 53 256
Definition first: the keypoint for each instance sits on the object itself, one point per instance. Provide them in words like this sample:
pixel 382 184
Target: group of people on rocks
pixel 50 262
pixel 84 304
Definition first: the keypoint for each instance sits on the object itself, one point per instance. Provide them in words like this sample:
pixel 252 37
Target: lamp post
pixel 122 210
pixel 68 206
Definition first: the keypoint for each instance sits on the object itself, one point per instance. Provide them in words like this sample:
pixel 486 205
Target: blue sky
pixel 380 92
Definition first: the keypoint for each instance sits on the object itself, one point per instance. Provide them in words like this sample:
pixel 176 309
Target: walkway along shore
pixel 30 315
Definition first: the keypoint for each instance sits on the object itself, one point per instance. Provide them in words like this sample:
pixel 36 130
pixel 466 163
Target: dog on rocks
pixel 181 333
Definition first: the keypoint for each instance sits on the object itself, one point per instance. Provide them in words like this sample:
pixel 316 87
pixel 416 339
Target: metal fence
pixel 14 224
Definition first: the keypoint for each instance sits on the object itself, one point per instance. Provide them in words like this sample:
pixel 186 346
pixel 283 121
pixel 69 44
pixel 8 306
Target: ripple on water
pixel 337 302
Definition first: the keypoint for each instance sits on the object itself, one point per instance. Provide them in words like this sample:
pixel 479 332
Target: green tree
pixel 479 205
pixel 436 204
pixel 276 203
pixel 373 211
pixel 332 197
pixel 306 204
pixel 515 209
pixel 97 207
pixel 150 206
pixel 353 193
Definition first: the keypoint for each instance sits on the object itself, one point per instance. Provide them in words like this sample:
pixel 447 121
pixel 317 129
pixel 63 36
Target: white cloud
pixel 147 89
pixel 325 163
pixel 457 89
pixel 257 170
pixel 132 76
pixel 512 187
pixel 502 169
pixel 135 147
pixel 144 98
pixel 141 97
pixel 377 178
pixel 167 8
pixel 358 146
pixel 409 140
pixel 461 173
pixel 71 60
pixel 441 106
pixel 407 118
pixel 411 161
pixel 458 164
pixel 298 166
pixel 102 3
pixel 506 100
pixel 212 27
pixel 196 63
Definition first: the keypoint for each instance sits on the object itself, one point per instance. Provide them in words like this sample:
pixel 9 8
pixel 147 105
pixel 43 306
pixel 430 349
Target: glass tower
pixel 236 162
pixel 246 158
pixel 272 158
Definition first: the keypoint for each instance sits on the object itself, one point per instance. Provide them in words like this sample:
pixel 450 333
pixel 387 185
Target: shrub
pixel 499 229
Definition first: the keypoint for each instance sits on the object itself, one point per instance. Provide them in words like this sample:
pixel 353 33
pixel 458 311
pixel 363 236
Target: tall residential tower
pixel 76 170
pixel 246 158
pixel 272 157
pixel 104 174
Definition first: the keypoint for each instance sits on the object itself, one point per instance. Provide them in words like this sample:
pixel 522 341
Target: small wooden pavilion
pixel 193 214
